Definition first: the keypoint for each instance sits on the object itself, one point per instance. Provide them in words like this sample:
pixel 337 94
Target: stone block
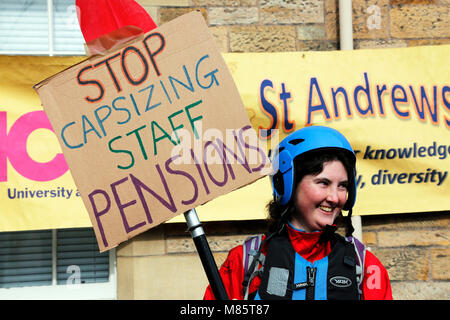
pixel 440 264
pixel 400 2
pixel 425 237
pixel 226 243
pixel 232 15
pixel 291 12
pixel 180 245
pixel 427 42
pixel 406 221
pixel 125 278
pixel 150 242
pixel 216 243
pixel 262 38
pixel 378 44
pixel 369 238
pixel 224 3
pixel 331 19
pixel 165 3
pixel 405 263
pixel 421 290
pixel 168 14
pixel 370 19
pixel 311 32
pixel 170 277
pixel 418 21
pixel 318 45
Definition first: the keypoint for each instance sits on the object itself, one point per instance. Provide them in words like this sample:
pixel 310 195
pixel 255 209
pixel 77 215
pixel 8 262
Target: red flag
pixel 107 23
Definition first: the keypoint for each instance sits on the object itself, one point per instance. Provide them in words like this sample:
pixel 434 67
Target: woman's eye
pixel 344 186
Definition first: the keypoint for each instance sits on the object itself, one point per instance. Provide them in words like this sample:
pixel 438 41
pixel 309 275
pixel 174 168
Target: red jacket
pixel 376 285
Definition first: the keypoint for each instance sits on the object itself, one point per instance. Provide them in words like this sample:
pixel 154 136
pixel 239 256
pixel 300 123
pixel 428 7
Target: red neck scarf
pixel 309 244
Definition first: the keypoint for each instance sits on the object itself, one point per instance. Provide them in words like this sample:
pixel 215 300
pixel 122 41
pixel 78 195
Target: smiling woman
pixel 301 257
pixel 323 181
pixel 302 184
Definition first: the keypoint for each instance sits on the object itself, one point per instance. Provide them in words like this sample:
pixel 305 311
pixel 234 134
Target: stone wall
pixel 299 25
pixel 415 248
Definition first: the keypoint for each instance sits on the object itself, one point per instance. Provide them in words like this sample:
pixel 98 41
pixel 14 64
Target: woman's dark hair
pixel 309 163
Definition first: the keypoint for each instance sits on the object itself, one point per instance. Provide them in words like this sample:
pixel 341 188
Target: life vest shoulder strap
pixel 250 249
pixel 252 254
pixel 360 251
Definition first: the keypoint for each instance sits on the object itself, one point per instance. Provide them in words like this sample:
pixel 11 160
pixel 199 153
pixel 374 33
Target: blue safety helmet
pixel 300 142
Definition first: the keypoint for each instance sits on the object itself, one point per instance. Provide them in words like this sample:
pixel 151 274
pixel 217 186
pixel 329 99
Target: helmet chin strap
pixel 283 220
pixel 348 222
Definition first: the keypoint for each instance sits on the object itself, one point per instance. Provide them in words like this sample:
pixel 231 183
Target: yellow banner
pixel 392 104
pixel 36 188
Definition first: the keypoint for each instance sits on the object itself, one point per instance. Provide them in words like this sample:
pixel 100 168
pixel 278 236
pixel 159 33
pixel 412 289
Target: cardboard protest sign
pixel 152 129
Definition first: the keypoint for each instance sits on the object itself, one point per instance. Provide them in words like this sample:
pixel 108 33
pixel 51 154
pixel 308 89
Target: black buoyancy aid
pixel 287 275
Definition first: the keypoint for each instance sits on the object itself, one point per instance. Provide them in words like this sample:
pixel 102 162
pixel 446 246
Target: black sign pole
pixel 209 264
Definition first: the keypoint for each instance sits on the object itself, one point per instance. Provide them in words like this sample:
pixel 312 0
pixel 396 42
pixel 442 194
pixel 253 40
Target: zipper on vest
pixel 309 284
pixel 311 280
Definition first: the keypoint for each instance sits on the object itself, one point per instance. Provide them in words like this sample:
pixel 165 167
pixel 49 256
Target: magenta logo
pixel 13 147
